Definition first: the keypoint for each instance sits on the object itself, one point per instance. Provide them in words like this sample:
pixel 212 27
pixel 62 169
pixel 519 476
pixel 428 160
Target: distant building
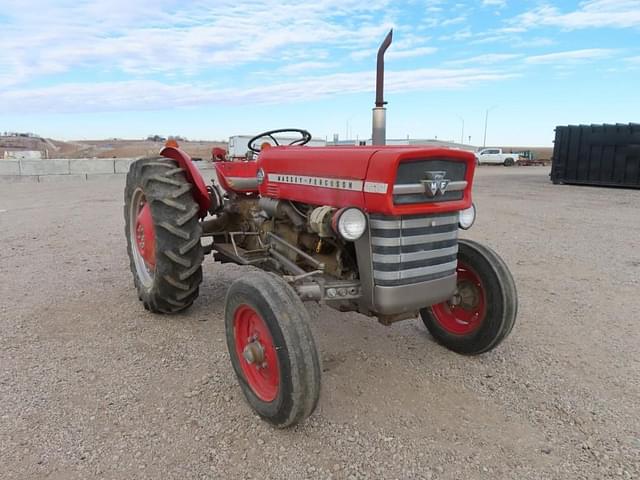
pixel 406 141
pixel 20 134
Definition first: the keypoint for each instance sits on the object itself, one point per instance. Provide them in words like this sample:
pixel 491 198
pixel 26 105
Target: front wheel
pixel 483 310
pixel 271 348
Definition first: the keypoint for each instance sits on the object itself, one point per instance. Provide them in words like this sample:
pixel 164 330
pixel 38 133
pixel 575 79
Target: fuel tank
pixel 391 180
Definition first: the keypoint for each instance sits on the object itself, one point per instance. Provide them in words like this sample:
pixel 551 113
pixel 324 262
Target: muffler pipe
pixel 379 121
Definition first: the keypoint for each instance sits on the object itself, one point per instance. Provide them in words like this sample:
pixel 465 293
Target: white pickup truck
pixel 496 156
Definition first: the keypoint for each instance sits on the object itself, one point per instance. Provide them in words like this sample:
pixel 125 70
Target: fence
pixel 58 169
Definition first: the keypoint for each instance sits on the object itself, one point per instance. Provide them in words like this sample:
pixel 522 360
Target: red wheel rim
pixel 256 353
pixel 464 312
pixel 145 235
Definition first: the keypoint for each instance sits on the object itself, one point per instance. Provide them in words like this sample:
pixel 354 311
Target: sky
pixel 78 69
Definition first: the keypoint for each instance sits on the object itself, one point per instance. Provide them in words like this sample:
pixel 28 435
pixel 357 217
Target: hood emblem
pixel 434 183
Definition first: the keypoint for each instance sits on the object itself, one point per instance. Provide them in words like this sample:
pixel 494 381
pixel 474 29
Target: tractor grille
pixel 408 189
pixel 412 249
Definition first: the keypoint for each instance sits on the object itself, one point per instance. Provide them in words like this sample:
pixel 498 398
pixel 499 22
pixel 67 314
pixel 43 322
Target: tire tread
pixel 179 253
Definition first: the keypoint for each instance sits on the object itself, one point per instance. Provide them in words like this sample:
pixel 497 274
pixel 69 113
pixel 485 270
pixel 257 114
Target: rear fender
pixel 199 192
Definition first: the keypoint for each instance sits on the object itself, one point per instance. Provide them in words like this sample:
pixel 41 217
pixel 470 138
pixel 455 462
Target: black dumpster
pixel 607 155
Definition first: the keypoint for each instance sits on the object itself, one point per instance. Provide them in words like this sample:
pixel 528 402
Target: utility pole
pixel 486 120
pixel 462 133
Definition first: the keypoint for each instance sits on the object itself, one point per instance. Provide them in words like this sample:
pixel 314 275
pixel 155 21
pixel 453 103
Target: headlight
pixel 350 223
pixel 467 217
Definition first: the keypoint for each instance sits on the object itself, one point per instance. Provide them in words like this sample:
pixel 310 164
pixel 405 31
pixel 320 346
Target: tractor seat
pixel 238 177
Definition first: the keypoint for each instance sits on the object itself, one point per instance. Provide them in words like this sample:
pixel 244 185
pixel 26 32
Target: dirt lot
pixel 92 386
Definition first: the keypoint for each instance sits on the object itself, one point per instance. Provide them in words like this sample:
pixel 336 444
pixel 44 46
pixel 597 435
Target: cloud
pixel 172 37
pixel 150 54
pixel 463 34
pixel 410 52
pixel 453 21
pixel 494 3
pixel 571 56
pixel 409 45
pixel 589 14
pixel 434 6
pixel 151 95
pixel 486 59
pixel 304 67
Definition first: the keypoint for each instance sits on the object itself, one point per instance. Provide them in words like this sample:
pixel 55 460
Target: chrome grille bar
pixel 409 188
pixel 415 272
pixel 413 222
pixel 412 249
pixel 414 256
pixel 414 239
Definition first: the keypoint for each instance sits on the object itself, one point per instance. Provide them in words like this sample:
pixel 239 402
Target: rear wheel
pixel 483 311
pixel 163 235
pixel 271 348
pixel 508 162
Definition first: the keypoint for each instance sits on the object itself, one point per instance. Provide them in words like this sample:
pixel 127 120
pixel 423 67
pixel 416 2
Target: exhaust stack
pixel 379 122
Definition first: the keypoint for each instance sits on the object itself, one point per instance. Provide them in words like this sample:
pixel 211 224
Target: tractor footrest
pixel 227 253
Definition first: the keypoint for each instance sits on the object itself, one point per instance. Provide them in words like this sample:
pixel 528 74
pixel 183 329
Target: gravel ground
pixel 92 386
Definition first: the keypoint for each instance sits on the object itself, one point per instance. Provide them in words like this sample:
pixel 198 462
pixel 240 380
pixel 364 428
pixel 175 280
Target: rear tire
pixel 272 349
pixel 486 308
pixel 509 162
pixel 170 283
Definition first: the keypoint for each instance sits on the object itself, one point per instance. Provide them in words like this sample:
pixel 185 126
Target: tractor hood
pixel 391 180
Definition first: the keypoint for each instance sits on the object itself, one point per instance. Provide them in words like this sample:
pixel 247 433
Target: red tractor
pixel 368 229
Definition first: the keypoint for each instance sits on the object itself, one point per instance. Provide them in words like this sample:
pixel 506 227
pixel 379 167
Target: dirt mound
pixel 114 148
pixel 141 148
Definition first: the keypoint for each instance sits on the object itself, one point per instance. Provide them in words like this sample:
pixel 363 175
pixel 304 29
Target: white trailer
pixel 238 143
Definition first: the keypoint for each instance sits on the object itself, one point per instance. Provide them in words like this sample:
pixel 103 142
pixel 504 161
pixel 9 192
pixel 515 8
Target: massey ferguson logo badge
pixel 434 183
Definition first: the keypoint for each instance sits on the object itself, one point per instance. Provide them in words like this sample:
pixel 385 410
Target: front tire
pixel 271 348
pixel 483 311
pixel 163 235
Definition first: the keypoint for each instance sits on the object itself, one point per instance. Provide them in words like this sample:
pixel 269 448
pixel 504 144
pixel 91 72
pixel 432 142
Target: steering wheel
pixel 305 137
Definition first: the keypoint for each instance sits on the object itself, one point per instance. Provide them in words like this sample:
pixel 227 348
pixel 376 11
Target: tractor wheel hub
pixel 467 296
pixel 253 352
